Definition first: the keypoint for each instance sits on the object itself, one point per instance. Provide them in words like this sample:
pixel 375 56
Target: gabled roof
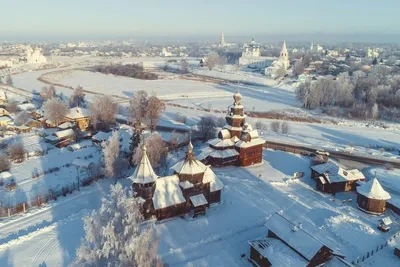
pixel 167 192
pixel 253 142
pixel 189 165
pixel 277 252
pixel 198 200
pixel 221 142
pixel 293 235
pixel 144 172
pixel 210 177
pixel 336 174
pixel 214 153
pixel 64 133
pixel 77 113
pixel 373 190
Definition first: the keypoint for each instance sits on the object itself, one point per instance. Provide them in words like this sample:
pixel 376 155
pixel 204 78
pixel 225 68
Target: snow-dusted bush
pixel 21 118
pixel 207 128
pixel 4 162
pixel 114 235
pixel 77 98
pixel 55 110
pixel 103 110
pixel 285 128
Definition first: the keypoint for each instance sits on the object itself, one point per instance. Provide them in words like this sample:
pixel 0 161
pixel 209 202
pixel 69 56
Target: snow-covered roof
pixel 140 200
pixel 210 177
pixel 292 234
pixel 167 192
pixel 189 165
pixel 51 138
pixel 5 175
pixel 214 153
pixel 373 190
pixel 65 125
pixel 226 134
pixel 336 174
pixel 64 133
pixel 322 180
pixel 235 139
pixel 144 172
pixel 386 220
pixel 198 200
pixel 77 113
pixel 5 118
pixel 277 252
pixel 221 142
pixel 80 145
pixel 26 107
pixel 253 142
pixel 186 184
pixel 101 136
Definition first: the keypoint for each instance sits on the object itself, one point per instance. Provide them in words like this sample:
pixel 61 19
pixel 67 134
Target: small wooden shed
pixel 371 197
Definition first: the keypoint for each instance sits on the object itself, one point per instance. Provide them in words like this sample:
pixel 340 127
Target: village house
pixel 3 112
pixel 331 178
pixel 190 190
pixel 237 143
pixel 289 244
pixel 371 197
pixel 3 97
pixel 5 120
pixel 79 116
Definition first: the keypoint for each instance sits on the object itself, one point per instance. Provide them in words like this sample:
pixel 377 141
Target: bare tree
pixel 4 162
pixel 138 106
pixel 12 107
pixel 212 60
pixel 55 110
pixel 111 152
pixel 285 128
pixel 207 128
pixel 114 235
pixel 21 118
pixel 220 122
pixel 9 80
pixel 184 66
pixel 77 98
pixel 298 68
pixel 156 150
pixel 48 92
pixel 275 126
pixel 174 141
pixel 155 108
pixel 261 126
pixel 16 152
pixel 103 110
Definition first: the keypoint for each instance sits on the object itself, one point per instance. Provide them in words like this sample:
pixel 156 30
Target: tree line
pixel 127 70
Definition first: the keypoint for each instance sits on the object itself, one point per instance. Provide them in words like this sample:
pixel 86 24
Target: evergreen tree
pixel 347 56
pixel 375 61
pixel 381 61
pixel 135 141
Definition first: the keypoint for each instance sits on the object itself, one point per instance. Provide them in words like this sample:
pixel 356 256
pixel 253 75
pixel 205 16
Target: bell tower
pixel 235 117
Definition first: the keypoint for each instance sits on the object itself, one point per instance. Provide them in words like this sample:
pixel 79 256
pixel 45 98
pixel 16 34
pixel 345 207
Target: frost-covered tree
pixel 4 162
pixel 21 118
pixel 285 128
pixel 375 111
pixel 135 142
pixel 103 110
pixel 16 152
pixel 207 128
pixel 275 126
pixel 155 108
pixel 12 107
pixel 54 110
pixel 184 66
pixel 116 236
pixel 138 106
pixel 156 150
pixel 77 98
pixel 212 60
pixel 111 152
pixel 47 92
pixel 298 68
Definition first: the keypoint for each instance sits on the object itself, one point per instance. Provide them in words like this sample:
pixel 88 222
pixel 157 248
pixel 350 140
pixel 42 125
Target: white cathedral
pixel 35 56
pixel 251 57
pixel 281 64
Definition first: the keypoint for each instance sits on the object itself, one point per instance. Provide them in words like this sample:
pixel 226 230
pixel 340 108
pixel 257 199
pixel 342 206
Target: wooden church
pixel 236 144
pixel 190 190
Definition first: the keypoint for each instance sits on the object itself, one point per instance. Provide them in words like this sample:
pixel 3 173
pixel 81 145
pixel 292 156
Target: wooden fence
pixel 43 199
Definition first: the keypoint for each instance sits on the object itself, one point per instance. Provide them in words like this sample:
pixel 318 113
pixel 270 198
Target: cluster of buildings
pixel 30 56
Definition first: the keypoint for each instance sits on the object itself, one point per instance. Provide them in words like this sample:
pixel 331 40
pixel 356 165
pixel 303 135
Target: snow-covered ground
pixel 51 235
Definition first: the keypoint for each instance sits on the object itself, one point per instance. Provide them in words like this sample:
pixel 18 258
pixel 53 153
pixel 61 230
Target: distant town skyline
pixel 180 20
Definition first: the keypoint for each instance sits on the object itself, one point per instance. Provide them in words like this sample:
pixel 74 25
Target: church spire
pixel 144 172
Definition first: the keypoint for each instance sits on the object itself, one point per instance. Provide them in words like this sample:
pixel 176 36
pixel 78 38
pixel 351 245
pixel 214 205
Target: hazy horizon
pixel 195 21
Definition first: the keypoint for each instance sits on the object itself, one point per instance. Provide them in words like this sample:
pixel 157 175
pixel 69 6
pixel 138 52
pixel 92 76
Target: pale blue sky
pixel 88 19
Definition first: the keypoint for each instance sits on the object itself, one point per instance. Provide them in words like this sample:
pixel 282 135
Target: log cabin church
pixel 236 144
pixel 190 190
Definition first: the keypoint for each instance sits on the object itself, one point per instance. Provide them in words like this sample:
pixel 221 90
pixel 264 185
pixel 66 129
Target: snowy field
pixel 49 236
